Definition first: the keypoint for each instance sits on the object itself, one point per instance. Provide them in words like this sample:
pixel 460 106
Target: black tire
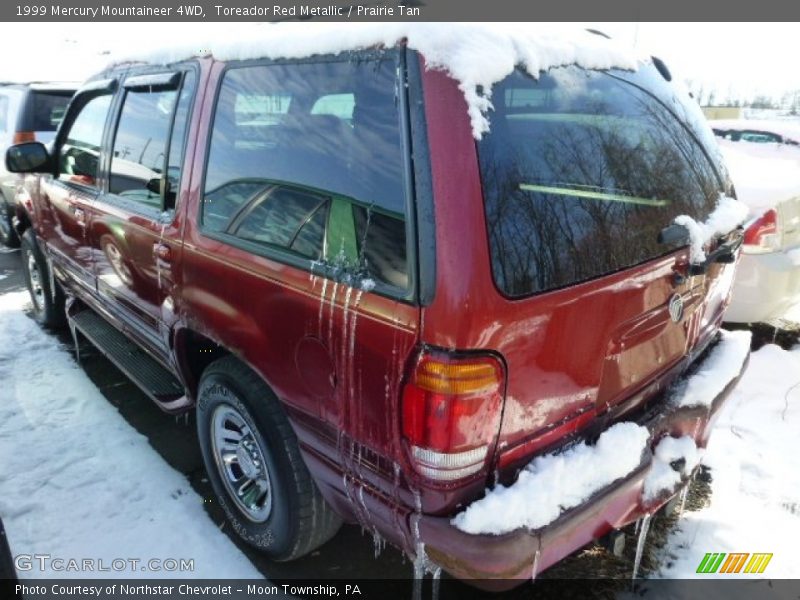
pixel 47 296
pixel 8 235
pixel 299 519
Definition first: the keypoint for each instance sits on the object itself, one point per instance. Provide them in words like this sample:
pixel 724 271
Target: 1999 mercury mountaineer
pixel 392 286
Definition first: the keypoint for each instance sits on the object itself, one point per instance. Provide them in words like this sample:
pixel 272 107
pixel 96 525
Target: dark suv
pixel 374 316
pixel 28 112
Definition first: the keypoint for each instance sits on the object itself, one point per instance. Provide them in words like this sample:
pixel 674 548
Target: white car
pixel 764 161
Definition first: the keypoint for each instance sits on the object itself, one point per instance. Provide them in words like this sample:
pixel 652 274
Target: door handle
pixel 162 252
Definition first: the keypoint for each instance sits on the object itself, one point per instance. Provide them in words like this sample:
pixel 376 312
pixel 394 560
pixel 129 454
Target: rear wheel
pixel 254 464
pixel 46 295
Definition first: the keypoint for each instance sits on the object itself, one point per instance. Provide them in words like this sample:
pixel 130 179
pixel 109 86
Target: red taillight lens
pixel 763 231
pixel 20 137
pixel 451 413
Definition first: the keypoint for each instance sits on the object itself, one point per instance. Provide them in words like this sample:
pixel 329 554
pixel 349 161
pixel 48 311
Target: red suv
pixel 375 316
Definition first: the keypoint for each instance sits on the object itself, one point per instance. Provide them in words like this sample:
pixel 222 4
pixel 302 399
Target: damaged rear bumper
pixel 500 561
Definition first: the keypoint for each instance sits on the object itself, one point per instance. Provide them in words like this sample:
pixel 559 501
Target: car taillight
pixel 762 234
pixel 20 137
pixel 451 413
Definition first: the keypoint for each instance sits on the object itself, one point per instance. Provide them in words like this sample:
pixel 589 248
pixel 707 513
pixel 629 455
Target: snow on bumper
pixel 495 542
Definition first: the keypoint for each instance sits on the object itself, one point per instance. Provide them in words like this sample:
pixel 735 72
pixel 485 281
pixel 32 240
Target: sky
pixel 738 59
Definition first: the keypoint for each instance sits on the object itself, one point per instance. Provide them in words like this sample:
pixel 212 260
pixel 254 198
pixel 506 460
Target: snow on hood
pixel 729 214
pixel 476 55
pixel 764 175
pixel 786 128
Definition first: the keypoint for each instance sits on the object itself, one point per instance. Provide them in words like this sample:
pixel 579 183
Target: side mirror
pixel 154 185
pixel 31 157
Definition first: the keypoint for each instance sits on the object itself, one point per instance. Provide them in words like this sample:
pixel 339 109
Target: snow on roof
pixel 477 55
pixel 786 128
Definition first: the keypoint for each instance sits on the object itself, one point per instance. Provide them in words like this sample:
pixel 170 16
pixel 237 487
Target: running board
pixel 147 373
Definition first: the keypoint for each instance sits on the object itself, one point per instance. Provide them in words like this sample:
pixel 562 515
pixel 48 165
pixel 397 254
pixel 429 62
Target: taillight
pixel 20 137
pixel 762 234
pixel 451 413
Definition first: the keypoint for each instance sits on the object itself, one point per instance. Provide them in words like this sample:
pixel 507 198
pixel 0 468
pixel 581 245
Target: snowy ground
pixel 78 481
pixel 755 466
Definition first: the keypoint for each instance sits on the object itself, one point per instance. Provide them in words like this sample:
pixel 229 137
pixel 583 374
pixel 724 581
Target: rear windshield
pixel 45 110
pixel 582 169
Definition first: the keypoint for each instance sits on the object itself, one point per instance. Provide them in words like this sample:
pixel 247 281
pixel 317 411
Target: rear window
pixel 45 110
pixel 582 169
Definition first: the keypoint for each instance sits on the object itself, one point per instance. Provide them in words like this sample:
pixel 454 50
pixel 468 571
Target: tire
pixel 289 520
pixel 47 296
pixel 8 235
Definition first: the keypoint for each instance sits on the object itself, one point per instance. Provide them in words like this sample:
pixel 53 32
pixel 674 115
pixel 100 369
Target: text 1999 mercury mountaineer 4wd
pixel 395 295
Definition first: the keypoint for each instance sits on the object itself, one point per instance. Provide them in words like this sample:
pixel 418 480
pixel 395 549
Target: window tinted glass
pixel 177 142
pixel 140 143
pixel 582 170
pixel 331 128
pixel 46 110
pixel 277 217
pixel 79 155
pixel 381 244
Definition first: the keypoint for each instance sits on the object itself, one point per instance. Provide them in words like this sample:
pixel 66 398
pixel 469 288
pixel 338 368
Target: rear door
pixel 66 200
pixel 299 259
pixel 134 234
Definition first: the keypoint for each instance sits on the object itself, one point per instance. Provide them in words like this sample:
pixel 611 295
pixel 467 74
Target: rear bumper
pixel 500 561
pixel 766 286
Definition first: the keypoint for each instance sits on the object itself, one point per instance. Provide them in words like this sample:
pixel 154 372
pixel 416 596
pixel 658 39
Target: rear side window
pixel 581 170
pixel 45 110
pixel 307 149
pixel 80 152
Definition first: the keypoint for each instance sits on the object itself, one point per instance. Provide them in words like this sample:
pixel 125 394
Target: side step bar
pixel 147 373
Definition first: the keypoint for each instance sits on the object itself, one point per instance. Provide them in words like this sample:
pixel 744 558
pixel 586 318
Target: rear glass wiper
pixel 591 194
pixel 724 253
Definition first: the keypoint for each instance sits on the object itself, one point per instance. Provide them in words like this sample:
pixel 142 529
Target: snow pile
pixel 554 483
pixel 755 469
pixel 722 365
pixel 764 175
pixel 79 482
pixel 477 55
pixel 729 214
pixel 662 476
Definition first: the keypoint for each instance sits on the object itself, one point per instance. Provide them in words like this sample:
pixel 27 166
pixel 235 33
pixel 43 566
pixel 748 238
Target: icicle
pixel 437 578
pixel 682 505
pixel 640 546
pixel 378 543
pixel 322 303
pixel 535 568
pixel 330 325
